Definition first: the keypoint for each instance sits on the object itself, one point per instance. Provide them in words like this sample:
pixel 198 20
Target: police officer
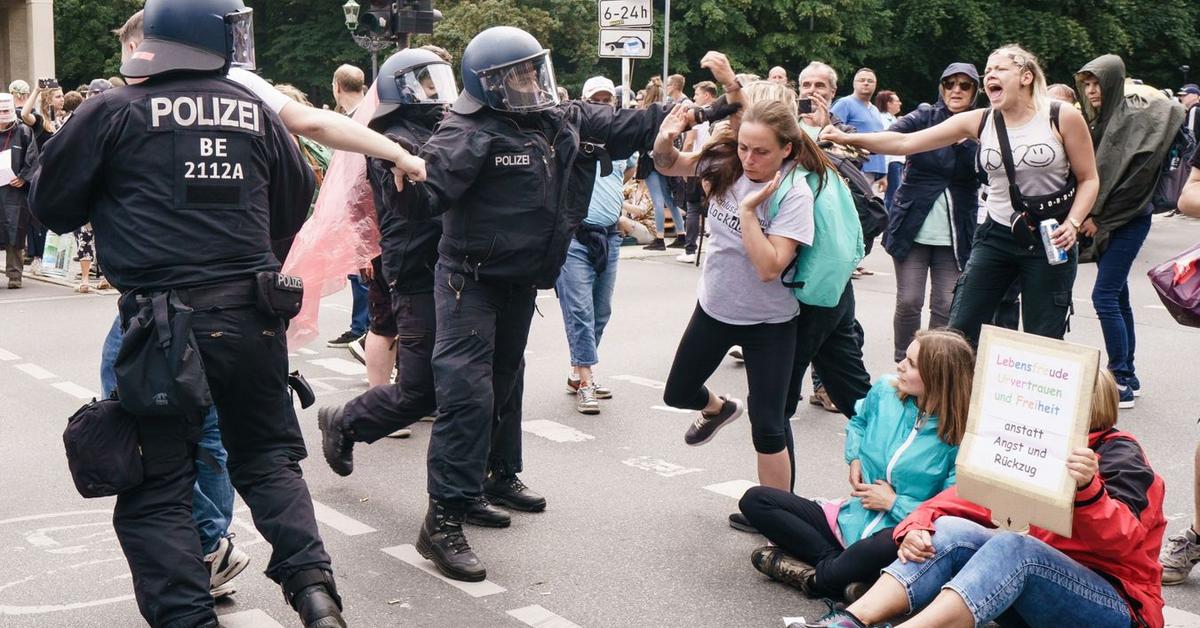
pixel 187 177
pixel 512 171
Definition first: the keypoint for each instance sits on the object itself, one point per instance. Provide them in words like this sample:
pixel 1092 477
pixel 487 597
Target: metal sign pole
pixel 666 47
pixel 626 81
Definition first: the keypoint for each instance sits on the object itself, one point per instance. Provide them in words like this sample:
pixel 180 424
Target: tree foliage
pixel 907 42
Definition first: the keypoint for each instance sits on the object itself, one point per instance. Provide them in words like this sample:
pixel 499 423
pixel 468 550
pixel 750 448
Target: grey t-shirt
pixel 730 289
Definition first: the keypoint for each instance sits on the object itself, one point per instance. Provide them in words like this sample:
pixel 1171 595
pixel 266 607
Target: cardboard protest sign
pixel 1031 404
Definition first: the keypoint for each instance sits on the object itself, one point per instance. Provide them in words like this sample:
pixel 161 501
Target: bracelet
pixel 1074 223
pixel 737 84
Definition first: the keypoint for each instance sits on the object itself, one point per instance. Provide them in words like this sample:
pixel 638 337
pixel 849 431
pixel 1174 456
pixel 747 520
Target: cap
pixel 18 87
pixel 1190 88
pixel 598 84
pixel 98 86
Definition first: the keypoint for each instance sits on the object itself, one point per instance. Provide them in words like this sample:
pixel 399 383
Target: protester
pixel 1062 93
pixel 705 93
pixel 932 219
pixel 658 185
pixel 1189 97
pixel 349 88
pixel 888 103
pixel 1131 141
pixel 857 111
pixel 778 75
pixel 901 446
pixel 956 569
pixel 1182 550
pixel 1050 151
pixel 18 140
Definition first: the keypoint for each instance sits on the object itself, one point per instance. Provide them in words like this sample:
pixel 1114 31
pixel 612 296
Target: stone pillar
pixel 39 24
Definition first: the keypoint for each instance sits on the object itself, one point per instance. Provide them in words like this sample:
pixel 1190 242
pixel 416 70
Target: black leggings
pixel 799 527
pixel 767 348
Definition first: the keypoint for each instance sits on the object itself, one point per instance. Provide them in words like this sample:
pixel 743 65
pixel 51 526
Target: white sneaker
pixel 585 400
pixel 225 562
pixel 403 432
pixel 36 267
pixel 686 258
pixel 358 349
pixel 1179 555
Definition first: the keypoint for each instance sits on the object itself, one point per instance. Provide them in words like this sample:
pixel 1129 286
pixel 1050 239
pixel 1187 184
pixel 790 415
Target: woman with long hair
pixel 901 446
pixel 1050 150
pixel 740 300
pixel 657 184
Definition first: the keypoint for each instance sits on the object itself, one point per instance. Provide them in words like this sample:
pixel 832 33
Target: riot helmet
pixel 193 35
pixel 417 78
pixel 506 69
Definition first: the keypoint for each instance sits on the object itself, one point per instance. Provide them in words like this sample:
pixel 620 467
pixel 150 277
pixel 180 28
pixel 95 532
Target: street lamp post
pixel 1185 69
pixel 376 41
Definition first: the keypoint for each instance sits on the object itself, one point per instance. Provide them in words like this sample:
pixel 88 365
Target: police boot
pixel 313 595
pixel 481 512
pixel 442 541
pixel 509 490
pixel 335 442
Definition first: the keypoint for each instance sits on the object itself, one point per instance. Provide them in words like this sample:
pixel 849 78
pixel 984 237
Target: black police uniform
pixel 409 253
pixel 512 188
pixel 187 179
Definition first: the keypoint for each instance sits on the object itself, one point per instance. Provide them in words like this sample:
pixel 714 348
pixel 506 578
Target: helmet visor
pixel 241 31
pixel 432 84
pixel 526 85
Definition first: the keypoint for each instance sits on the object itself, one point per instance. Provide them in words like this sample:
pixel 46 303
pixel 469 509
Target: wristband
pixel 737 84
pixel 1074 223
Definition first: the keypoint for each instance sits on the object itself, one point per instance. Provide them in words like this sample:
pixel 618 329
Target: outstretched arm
pixel 956 128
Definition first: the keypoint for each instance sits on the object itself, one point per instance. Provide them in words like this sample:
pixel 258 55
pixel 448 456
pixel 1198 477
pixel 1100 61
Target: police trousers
pixel 245 359
pixel 831 340
pixel 478 370
pixel 387 408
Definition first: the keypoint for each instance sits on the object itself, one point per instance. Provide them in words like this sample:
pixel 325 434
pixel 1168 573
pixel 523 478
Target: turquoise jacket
pixel 885 436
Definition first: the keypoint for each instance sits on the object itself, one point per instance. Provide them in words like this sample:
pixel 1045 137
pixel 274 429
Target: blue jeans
pixel 212 496
pixel 1110 295
pixel 996 571
pixel 660 193
pixel 360 316
pixel 895 169
pixel 586 299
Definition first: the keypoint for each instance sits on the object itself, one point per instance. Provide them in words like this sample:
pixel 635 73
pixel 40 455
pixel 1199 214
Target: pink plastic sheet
pixel 341 237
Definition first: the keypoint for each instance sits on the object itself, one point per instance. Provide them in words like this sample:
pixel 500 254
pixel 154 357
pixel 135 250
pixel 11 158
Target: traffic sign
pixel 626 43
pixel 625 13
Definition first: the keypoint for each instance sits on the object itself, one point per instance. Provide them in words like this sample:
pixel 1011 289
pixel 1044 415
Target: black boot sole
pixel 488 523
pixel 425 549
pixel 500 500
pixel 331 458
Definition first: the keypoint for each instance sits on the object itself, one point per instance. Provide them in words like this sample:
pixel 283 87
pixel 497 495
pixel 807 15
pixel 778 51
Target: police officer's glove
pixel 718 110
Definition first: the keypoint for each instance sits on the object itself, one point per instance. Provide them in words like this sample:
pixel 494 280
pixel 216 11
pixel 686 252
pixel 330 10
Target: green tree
pixel 84 45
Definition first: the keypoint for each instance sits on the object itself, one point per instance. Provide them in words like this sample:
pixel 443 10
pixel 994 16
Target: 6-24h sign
pixel 625 13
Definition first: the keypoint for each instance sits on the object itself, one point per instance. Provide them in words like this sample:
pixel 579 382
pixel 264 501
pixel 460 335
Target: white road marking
pixel 5 356
pixel 253 618
pixel 337 306
pixel 539 617
pixel 1176 618
pixel 35 371
pixel 340 365
pixel 76 391
pixel 661 467
pixel 641 381
pixel 1155 307
pixel 556 432
pixel 408 554
pixel 340 522
pixel 304 351
pixel 734 488
pixel 675 410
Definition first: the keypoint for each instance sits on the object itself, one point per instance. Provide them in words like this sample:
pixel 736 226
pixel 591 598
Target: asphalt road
pixel 635 533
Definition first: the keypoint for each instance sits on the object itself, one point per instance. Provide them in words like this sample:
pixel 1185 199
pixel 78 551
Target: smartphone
pixel 47 83
pixel 805 105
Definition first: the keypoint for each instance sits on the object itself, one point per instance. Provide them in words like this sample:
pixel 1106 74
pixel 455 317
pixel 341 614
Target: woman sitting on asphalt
pixel 955 569
pixel 901 446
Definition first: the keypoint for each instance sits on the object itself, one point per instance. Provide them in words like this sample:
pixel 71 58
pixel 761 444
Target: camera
pixel 804 105
pixel 48 83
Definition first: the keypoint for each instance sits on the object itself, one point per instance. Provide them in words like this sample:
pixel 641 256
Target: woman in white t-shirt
pixel 740 298
pixel 1048 144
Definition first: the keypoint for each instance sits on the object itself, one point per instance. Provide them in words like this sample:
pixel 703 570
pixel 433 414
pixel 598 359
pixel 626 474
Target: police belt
pixel 227 295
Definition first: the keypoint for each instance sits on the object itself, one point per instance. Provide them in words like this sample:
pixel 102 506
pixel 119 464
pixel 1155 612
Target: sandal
pixel 83 288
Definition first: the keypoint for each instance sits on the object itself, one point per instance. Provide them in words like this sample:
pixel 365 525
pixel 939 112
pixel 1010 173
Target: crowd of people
pixel 483 196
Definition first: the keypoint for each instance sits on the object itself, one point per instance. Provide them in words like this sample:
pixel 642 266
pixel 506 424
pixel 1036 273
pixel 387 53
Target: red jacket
pixel 1118 525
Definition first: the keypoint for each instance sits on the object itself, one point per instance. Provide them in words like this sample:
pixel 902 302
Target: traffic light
pixel 376 20
pixel 416 16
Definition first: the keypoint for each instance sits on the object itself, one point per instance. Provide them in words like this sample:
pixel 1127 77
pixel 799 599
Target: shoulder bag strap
pixel 1055 107
pixel 1010 169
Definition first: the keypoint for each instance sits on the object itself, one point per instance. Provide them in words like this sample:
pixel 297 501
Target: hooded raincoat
pixel 895 443
pixel 928 174
pixel 1131 136
pixel 17 140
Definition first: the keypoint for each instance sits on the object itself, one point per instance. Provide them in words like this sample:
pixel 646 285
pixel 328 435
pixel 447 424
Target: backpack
pixel 872 214
pixel 819 273
pixel 1175 170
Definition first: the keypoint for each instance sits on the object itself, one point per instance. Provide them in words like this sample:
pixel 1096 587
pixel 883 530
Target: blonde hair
pixel 1028 62
pixel 1105 402
pixel 291 91
pixel 350 79
pixel 46 107
pixel 132 29
pixel 759 91
pixel 946 363
pixel 652 95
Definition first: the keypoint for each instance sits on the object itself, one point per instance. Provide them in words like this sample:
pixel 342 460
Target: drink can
pixel 1054 255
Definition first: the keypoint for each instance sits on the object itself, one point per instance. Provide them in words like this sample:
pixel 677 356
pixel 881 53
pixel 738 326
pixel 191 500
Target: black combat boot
pixel 481 512
pixel 510 491
pixel 442 541
pixel 313 595
pixel 335 442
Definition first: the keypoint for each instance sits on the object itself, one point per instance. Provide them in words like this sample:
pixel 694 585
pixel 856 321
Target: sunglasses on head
pixel 950 84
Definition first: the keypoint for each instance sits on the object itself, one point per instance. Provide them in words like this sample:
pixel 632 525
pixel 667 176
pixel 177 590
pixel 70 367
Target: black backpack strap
pixel 1055 107
pixel 982 123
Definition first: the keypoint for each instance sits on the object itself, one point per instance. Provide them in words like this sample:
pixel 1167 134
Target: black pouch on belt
pixel 278 294
pixel 103 451
pixel 159 369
